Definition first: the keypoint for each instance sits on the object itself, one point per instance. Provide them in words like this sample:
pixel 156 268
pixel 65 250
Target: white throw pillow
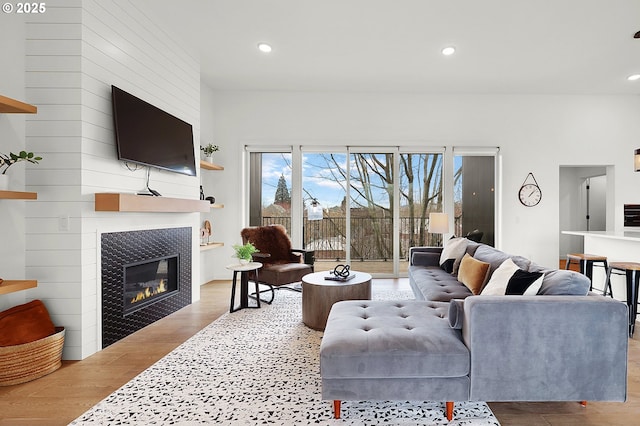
pixel 509 279
pixel 452 253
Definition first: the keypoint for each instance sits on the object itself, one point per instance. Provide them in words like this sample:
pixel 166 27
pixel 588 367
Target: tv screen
pixel 150 136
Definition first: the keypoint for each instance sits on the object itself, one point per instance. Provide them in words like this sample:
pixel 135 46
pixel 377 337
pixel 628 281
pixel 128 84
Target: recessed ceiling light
pixel 448 51
pixel 264 47
pixel 634 77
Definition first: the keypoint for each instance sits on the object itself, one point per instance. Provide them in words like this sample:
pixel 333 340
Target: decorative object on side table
pixel 208 151
pixel 340 273
pixel 244 253
pixel 8 160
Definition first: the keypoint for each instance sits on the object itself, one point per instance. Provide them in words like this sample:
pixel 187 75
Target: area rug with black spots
pixel 254 367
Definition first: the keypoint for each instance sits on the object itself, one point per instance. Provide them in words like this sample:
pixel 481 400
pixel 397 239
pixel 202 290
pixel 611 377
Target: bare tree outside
pixel 361 186
pixel 371 186
pixel 370 202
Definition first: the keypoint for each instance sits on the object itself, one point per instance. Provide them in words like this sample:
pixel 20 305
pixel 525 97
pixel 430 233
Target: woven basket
pixel 29 361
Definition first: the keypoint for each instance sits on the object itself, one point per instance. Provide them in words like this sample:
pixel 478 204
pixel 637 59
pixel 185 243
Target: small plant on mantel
pixel 245 252
pixel 9 160
pixel 209 149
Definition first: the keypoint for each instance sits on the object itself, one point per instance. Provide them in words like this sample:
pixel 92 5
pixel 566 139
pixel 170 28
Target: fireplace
pixel 148 282
pixel 146 275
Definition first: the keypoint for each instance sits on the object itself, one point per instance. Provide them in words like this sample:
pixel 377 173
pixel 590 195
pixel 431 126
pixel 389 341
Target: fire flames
pixel 148 292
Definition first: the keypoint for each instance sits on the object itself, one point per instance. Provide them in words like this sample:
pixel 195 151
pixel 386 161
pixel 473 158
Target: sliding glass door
pixel 371 211
pixel 324 193
pixel 270 189
pixel 367 207
pixel 421 183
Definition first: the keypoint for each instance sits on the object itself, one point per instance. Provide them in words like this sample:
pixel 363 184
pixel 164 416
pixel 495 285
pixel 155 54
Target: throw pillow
pixel 25 323
pixel 452 252
pixel 473 273
pixel 510 279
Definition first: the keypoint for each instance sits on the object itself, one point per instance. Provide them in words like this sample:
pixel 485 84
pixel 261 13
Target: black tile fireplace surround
pixel 131 247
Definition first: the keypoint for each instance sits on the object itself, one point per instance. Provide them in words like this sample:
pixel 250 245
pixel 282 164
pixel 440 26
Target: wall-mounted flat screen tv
pixel 150 136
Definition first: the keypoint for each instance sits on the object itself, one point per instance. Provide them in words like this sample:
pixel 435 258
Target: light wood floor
pixel 59 398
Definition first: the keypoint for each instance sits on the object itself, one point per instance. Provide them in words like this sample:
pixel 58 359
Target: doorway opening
pixel 583 204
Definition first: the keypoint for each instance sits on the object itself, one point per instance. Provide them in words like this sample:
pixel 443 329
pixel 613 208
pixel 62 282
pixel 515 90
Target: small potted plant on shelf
pixel 208 151
pixel 245 252
pixel 8 160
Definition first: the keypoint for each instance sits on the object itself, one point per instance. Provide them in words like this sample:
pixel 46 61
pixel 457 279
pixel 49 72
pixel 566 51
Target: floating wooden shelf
pixel 12 106
pixel 210 166
pixel 211 246
pixel 10 286
pixel 17 195
pixel 118 202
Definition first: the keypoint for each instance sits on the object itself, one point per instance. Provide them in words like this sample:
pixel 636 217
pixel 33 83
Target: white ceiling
pixel 503 46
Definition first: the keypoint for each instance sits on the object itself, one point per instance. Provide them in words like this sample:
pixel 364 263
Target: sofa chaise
pixel 464 339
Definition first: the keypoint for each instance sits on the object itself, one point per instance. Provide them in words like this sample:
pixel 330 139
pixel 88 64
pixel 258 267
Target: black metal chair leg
pixel 258 292
pixel 607 283
pixel 632 298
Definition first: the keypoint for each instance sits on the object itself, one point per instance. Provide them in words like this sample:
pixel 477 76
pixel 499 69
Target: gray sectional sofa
pixel 562 344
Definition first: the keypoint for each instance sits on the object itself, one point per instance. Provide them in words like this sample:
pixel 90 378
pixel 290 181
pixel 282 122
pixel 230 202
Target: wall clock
pixel 530 193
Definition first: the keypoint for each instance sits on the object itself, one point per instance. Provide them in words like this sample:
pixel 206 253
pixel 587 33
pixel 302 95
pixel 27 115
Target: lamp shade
pixel 438 223
pixel 636 160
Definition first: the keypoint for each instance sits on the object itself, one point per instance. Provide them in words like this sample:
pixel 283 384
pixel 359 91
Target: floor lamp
pixel 439 224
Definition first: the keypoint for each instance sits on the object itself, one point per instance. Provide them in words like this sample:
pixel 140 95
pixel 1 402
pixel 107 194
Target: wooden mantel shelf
pixel 118 202
pixel 8 106
pixel 10 286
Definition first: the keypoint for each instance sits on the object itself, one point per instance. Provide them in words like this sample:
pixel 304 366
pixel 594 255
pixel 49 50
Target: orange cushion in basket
pixel 25 323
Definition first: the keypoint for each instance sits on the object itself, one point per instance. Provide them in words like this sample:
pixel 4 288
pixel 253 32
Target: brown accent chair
pixel 281 264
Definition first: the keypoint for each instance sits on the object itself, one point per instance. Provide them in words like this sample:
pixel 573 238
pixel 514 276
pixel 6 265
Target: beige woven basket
pixel 29 361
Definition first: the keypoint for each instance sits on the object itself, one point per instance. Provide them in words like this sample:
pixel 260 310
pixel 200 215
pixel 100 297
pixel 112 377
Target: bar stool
pixel 586 262
pixel 630 270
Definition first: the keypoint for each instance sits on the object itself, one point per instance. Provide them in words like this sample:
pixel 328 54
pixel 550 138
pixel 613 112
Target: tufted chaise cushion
pixel 391 339
pixel 434 284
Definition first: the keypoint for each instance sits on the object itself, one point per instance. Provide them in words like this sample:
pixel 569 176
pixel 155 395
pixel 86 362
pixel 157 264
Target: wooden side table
pixel 319 295
pixel 244 269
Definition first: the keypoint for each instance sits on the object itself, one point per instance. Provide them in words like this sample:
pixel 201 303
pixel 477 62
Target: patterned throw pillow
pixel 509 279
pixel 452 252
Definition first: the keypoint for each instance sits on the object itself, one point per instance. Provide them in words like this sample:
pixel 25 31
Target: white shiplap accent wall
pixel 72 61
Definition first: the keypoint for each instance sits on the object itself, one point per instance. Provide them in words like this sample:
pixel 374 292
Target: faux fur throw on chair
pixel 273 240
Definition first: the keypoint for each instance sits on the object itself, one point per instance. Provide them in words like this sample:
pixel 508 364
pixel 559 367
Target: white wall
pixel 535 134
pixel 12 139
pixel 76 51
pixel 213 182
